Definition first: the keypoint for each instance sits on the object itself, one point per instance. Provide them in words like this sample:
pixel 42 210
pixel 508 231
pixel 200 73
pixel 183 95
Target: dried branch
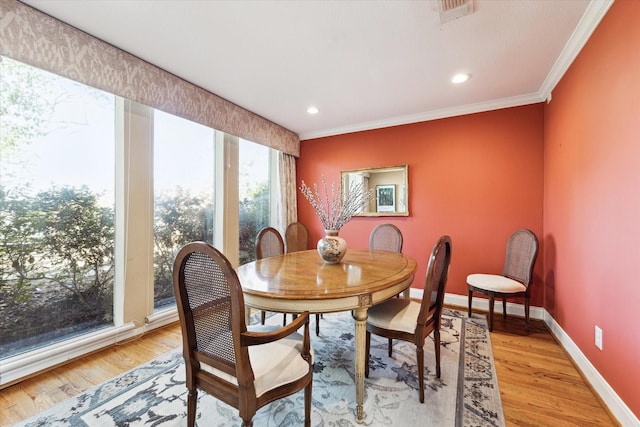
pixel 335 208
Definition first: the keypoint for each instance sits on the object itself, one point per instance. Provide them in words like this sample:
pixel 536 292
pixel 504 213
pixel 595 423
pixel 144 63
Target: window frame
pixel 133 302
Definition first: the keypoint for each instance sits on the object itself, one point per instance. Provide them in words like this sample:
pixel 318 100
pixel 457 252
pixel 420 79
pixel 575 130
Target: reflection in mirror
pixel 391 189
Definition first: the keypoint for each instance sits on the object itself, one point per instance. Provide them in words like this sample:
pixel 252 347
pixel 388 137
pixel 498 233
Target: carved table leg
pixel 360 317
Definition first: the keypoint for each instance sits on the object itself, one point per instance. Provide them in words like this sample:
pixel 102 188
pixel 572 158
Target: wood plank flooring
pixel 538 383
pixel 40 392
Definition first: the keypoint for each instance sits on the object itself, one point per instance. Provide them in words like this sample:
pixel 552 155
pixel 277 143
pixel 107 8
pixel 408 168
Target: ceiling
pixel 363 64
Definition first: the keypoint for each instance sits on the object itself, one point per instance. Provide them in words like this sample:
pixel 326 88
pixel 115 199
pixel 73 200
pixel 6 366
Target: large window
pixel 97 194
pixel 255 195
pixel 184 194
pixel 56 208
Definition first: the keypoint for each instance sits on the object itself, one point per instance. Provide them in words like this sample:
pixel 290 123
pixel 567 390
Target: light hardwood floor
pixel 538 383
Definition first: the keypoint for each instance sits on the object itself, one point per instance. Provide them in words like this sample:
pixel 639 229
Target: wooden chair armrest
pixel 255 338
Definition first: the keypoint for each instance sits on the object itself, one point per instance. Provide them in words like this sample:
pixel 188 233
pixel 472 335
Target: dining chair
pixel 296 237
pixel 386 237
pixel 269 243
pixel 245 369
pixel 413 321
pixel 516 277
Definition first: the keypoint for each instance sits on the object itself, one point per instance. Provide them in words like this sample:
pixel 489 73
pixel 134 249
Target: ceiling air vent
pixel 453 9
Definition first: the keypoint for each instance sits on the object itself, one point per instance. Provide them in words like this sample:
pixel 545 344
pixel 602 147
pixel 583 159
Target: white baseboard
pixel 483 304
pixel 616 406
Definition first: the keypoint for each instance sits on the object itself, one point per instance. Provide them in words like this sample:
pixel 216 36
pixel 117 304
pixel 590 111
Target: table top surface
pixel 303 275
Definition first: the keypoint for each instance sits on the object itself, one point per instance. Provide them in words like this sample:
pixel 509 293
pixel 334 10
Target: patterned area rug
pixel 465 395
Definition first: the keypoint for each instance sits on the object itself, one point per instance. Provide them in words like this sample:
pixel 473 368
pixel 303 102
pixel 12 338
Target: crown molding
pixel 587 25
pixel 480 107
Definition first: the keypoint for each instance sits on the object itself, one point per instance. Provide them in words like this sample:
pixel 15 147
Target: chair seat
pixel 274 364
pixel 495 283
pixel 398 314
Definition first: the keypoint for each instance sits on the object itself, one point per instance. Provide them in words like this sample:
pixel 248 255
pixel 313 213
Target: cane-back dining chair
pixel 516 277
pixel 386 237
pixel 242 368
pixel 413 321
pixel 296 237
pixel 269 243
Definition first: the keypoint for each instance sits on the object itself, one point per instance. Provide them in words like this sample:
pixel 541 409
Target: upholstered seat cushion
pixel 399 314
pixel 495 283
pixel 274 364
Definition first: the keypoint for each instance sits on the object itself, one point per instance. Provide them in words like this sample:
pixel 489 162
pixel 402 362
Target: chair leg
pixel 263 317
pixel 366 354
pixel 504 308
pixel 284 319
pixel 390 347
pixel 317 324
pixel 470 301
pixel 420 357
pixel 307 404
pixel 436 342
pixel 491 301
pixel 526 313
pixel 192 400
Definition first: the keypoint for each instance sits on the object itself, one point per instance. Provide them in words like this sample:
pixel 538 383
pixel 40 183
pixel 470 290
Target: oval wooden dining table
pixel 300 281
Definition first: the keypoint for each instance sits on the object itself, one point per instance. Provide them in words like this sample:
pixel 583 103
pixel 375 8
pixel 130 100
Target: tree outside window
pixel 56 208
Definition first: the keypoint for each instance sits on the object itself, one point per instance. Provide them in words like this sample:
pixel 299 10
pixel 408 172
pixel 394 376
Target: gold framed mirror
pixel 391 185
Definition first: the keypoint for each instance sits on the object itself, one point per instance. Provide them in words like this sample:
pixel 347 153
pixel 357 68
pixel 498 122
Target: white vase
pixel 332 247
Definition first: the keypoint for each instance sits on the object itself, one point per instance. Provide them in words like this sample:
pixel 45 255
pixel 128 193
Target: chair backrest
pixel 269 243
pixel 386 237
pixel 435 282
pixel 211 309
pixel 522 250
pixel 297 237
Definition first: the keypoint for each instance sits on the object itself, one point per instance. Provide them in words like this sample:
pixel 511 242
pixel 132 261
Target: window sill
pixel 23 365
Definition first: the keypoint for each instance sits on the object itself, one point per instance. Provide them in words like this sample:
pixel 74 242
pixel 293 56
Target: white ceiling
pixel 363 64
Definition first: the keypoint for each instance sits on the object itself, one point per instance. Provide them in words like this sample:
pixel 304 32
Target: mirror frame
pixel 401 189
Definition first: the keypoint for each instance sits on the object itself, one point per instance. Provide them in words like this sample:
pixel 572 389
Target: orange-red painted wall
pixel 571 167
pixel 477 178
pixel 592 200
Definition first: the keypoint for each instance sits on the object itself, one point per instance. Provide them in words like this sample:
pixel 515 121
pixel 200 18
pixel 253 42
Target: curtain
pixel 288 190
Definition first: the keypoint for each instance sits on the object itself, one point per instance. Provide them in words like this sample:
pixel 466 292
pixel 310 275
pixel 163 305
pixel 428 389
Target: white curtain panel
pixel 288 190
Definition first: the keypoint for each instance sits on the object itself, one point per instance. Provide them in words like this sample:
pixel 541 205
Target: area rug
pixel 466 394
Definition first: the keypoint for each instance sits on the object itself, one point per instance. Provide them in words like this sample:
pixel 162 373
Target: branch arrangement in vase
pixel 334 208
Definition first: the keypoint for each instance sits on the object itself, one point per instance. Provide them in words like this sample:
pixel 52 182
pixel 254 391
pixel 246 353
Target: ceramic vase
pixel 332 247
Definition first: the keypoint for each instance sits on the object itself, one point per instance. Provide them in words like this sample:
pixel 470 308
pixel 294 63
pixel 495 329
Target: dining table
pixel 296 282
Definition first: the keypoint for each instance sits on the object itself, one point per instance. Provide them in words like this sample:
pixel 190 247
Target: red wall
pixel 477 178
pixel 592 200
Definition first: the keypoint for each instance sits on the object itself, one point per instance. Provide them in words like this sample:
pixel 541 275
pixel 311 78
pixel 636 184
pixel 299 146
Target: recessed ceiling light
pixel 312 110
pixel 460 78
